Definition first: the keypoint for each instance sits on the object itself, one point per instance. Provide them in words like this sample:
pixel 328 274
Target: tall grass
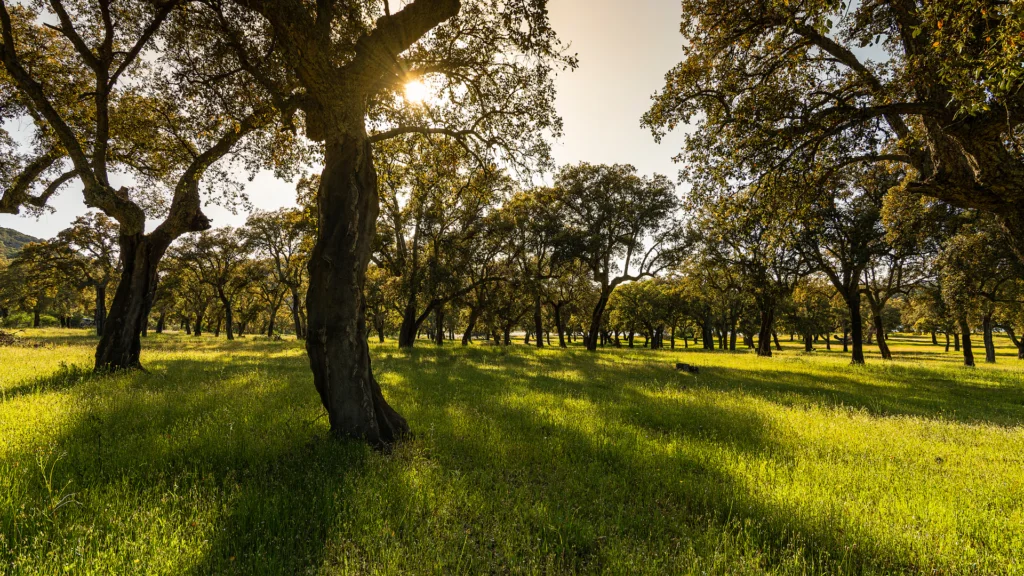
pixel 524 461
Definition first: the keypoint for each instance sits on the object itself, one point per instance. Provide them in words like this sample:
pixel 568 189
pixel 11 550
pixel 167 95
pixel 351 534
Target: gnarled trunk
pixel 120 344
pixel 339 355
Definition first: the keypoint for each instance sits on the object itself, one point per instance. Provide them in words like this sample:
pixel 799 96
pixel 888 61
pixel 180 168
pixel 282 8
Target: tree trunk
pixel 764 335
pixel 559 327
pixel 1019 343
pixel 883 347
pixel 595 320
pixel 856 327
pixel 990 346
pixel 199 325
pixel 808 342
pixel 160 322
pixel 36 320
pixel 538 320
pixel 120 344
pixel 339 355
pixel 229 318
pixel 101 308
pixel 956 341
pixel 300 329
pixel 407 333
pixel 965 334
pixel 439 328
pixel 947 341
pixel 467 336
pixel 935 339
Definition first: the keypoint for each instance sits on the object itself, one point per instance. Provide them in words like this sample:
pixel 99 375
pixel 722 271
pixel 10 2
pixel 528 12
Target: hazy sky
pixel 625 47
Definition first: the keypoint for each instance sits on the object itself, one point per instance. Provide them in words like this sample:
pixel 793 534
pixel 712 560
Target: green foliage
pixel 527 461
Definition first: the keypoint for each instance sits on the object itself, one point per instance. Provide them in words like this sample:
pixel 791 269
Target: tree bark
pixel 764 335
pixel 558 325
pixel 300 329
pixel 856 328
pixel 538 320
pixel 990 346
pixel 883 347
pixel 467 336
pixel 229 317
pixel 339 355
pixel 965 334
pixel 439 328
pixel 120 344
pixel 595 320
pixel 407 333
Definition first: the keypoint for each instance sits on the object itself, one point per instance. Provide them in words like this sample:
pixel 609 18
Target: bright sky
pixel 625 47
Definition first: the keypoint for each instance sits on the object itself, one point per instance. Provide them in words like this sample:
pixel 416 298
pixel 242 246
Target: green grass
pixel 216 460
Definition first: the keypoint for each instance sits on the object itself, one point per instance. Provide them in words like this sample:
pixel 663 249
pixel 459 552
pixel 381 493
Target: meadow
pixel 216 460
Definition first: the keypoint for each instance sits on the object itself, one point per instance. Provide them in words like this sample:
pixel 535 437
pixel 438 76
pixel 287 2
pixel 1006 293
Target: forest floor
pixel 523 461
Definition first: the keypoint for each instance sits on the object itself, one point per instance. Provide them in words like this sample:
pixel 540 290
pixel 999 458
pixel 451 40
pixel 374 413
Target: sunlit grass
pixel 216 460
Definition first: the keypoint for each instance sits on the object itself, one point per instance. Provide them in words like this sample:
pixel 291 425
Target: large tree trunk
pixel 595 320
pixel 160 322
pixel 990 345
pixel 120 344
pixel 965 334
pixel 339 355
pixel 101 308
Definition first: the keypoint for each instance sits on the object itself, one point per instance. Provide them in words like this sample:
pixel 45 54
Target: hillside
pixel 11 241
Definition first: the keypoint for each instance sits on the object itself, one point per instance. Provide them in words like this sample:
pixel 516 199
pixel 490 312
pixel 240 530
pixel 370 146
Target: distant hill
pixel 11 241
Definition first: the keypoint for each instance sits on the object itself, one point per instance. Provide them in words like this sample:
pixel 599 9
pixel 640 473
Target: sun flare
pixel 416 92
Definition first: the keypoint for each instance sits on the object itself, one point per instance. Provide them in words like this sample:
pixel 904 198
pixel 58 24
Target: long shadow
pixel 66 377
pixel 670 495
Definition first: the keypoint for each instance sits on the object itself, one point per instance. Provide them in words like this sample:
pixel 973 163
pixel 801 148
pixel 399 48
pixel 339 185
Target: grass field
pixel 523 462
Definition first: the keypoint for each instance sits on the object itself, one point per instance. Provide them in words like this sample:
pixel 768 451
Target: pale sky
pixel 625 48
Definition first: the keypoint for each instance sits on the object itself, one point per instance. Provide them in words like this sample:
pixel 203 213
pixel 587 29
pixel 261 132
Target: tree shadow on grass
pixel 66 377
pixel 522 462
pixel 586 474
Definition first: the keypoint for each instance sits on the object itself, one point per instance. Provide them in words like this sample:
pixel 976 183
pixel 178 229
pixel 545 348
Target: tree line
pixel 603 257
